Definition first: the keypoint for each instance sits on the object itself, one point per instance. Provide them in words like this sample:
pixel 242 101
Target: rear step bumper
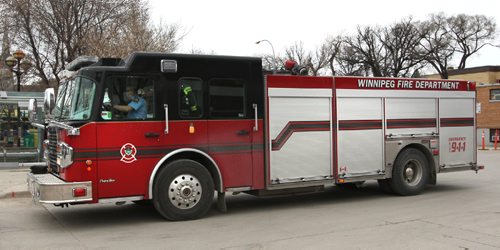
pixel 474 167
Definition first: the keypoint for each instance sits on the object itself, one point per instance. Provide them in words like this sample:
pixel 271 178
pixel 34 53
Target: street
pixel 461 212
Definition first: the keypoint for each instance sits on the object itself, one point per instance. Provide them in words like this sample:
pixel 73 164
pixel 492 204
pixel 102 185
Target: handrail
pixel 392 136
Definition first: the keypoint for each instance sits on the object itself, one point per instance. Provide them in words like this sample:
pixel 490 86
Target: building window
pixel 495 94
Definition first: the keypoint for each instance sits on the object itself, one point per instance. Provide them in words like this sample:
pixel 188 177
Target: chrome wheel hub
pixel 412 173
pixel 184 191
pixel 409 173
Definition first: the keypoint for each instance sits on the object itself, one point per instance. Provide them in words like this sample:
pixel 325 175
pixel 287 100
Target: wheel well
pixel 428 156
pixel 207 163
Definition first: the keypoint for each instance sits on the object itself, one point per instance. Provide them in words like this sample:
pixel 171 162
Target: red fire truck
pixel 174 129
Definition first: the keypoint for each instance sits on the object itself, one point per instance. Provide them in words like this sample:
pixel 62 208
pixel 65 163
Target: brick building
pixel 487 79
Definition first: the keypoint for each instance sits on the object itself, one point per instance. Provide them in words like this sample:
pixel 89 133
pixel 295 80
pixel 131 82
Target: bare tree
pixel 268 62
pixel 437 43
pixel 314 61
pixel 321 57
pixel 6 76
pixel 401 42
pixel 391 51
pixel 349 62
pixel 446 37
pixel 297 53
pixel 56 32
pixel 368 50
pixel 470 33
pixel 333 45
pixel 134 32
pixel 198 51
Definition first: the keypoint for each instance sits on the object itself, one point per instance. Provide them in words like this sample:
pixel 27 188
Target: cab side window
pixel 227 98
pixel 128 98
pixel 190 97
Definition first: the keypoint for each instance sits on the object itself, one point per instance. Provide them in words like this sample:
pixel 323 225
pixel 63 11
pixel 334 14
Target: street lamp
pixel 19 66
pixel 274 55
pixel 16 63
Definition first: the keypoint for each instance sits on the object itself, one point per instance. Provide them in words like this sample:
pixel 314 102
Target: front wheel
pixel 184 190
pixel 411 173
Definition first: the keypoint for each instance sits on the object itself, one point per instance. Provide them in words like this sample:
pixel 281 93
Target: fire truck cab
pixel 174 129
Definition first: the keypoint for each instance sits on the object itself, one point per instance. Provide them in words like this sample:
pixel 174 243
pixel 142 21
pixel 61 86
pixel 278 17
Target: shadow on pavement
pixel 82 217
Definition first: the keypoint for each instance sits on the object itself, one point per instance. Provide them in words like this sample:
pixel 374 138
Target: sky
pixel 228 27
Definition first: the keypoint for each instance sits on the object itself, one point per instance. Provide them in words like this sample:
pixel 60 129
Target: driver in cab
pixel 136 107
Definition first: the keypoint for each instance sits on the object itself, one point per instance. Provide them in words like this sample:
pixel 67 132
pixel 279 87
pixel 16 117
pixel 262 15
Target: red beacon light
pixel 290 64
pixel 295 68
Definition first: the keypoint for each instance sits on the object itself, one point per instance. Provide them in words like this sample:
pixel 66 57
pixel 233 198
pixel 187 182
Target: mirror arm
pixel 38 125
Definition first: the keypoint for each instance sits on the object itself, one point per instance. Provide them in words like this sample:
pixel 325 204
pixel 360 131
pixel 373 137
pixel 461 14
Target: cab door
pixel 230 130
pixel 127 149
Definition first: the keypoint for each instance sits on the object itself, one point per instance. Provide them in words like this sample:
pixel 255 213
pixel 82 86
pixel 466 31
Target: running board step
pixel 287 191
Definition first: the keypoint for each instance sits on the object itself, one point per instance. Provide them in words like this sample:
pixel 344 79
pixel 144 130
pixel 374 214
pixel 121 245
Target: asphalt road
pixel 461 212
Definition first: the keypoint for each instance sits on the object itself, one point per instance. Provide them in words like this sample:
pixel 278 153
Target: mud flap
pixel 221 202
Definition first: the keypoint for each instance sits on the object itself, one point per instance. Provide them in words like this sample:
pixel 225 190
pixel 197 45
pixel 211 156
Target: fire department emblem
pixel 128 152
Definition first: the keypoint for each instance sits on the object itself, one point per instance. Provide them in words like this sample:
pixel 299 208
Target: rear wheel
pixel 411 173
pixel 184 190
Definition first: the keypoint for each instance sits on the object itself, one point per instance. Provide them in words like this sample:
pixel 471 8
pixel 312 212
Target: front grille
pixel 52 148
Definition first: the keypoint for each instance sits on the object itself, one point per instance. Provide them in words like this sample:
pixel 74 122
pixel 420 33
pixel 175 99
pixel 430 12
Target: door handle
pixel 256 126
pixel 165 106
pixel 243 132
pixel 151 134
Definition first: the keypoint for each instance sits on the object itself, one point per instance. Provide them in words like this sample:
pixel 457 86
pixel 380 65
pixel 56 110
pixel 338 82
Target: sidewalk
pixel 488 148
pixel 13 183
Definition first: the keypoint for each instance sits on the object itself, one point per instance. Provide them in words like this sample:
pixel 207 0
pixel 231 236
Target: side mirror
pixel 49 101
pixel 32 110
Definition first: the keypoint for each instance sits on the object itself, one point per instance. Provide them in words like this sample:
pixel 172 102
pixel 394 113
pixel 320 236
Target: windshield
pixel 74 100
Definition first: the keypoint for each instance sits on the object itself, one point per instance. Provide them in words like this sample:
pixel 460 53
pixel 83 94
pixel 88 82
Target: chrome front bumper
pixel 47 188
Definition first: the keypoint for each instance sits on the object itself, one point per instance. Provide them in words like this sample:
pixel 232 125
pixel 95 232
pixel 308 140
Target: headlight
pixel 46 150
pixel 64 154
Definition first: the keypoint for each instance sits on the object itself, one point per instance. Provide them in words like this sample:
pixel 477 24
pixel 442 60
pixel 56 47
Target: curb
pixel 15 194
pixel 13 184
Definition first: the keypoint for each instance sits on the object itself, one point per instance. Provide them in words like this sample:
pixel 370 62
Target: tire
pixel 184 190
pixel 410 174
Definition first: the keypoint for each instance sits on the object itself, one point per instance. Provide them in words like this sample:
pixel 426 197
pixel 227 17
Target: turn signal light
pixel 435 151
pixel 191 128
pixel 79 192
pixel 89 165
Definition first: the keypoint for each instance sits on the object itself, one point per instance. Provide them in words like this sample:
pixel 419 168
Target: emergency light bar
pixel 80 62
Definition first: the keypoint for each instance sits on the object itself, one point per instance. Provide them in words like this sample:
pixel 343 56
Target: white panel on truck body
pixel 300 136
pixel 457 132
pixel 406 116
pixel 360 140
pixel 359 108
